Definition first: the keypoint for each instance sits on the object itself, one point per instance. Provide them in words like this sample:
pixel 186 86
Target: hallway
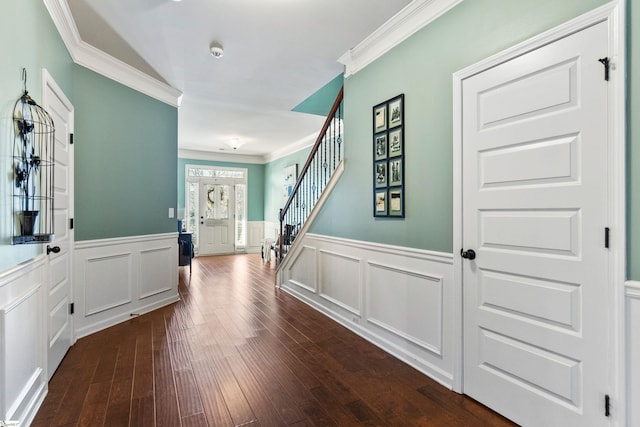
pixel 236 351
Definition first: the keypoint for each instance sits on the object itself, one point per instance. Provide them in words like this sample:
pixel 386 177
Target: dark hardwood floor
pixel 235 351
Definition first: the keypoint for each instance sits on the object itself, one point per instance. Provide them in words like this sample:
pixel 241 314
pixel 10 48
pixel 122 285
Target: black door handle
pixel 54 249
pixel 468 254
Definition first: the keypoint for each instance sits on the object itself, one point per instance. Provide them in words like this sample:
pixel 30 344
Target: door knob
pixel 54 249
pixel 468 254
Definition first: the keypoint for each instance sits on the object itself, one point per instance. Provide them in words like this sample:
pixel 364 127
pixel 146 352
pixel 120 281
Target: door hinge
pixel 607 405
pixel 70 223
pixel 72 308
pixel 606 237
pixel 70 139
pixel 605 61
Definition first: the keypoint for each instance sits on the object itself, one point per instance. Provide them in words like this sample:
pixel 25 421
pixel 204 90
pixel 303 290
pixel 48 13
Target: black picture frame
pixel 380 203
pixel 381 173
pixel 394 172
pixel 380 118
pixel 388 158
pixel 381 146
pixel 395 202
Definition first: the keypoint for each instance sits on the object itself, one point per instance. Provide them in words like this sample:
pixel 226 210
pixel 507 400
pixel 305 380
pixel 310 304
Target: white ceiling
pixel 276 54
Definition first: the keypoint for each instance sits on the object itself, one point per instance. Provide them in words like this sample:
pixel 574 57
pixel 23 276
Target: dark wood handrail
pixel 312 154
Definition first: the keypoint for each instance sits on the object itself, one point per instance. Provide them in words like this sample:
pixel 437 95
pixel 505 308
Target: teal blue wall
pixel 274 182
pixel 421 67
pixel 125 160
pixel 30 41
pixel 126 142
pixel 633 140
pixel 255 184
pixel 321 101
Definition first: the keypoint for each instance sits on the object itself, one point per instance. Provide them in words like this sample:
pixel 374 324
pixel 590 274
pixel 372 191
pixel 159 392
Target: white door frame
pixel 614 14
pixel 199 179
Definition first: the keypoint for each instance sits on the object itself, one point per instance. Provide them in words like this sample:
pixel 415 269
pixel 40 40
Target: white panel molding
pixel 632 289
pixel 431 356
pixel 23 340
pixel 98 61
pixel 155 271
pixel 100 273
pixel 271 230
pixel 433 347
pixel 299 261
pixel 632 354
pixel 255 236
pixel 345 278
pixel 415 16
pixel 147 280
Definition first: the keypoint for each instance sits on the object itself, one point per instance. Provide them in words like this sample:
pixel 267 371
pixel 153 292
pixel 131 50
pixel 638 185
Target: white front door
pixel 217 219
pixel 59 324
pixel 534 194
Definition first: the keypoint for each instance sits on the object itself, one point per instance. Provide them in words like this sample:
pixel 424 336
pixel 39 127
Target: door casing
pixel 614 14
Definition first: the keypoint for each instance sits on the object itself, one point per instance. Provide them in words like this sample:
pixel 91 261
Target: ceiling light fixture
pixel 235 143
pixel 216 50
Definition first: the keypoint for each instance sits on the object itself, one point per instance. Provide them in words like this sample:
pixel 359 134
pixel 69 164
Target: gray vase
pixel 27 222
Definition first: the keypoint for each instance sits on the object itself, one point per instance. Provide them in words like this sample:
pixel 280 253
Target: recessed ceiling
pixel 276 54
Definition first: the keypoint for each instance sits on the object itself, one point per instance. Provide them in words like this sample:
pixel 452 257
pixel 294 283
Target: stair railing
pixel 326 154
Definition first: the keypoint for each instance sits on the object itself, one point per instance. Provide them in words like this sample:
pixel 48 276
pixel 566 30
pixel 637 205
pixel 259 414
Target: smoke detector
pixel 216 50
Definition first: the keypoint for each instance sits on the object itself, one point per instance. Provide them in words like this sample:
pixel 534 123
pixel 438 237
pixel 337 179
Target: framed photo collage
pixel 388 158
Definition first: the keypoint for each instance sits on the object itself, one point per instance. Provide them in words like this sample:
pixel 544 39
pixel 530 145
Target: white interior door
pixel 217 219
pixel 534 190
pixel 59 325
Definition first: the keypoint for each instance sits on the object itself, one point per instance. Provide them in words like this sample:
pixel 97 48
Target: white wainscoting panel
pixel 303 269
pixel 119 278
pixel 271 230
pixel 400 299
pixel 23 379
pixel 255 236
pixel 633 353
pixel 108 282
pixel 340 280
pixel 156 271
pixel 420 323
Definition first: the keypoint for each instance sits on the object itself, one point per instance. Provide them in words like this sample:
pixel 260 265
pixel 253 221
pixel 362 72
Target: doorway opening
pixel 216 208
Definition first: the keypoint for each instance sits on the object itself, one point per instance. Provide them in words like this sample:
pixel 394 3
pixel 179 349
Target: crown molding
pixel 211 156
pixel 102 63
pixel 214 156
pixel 415 16
pixel 301 144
